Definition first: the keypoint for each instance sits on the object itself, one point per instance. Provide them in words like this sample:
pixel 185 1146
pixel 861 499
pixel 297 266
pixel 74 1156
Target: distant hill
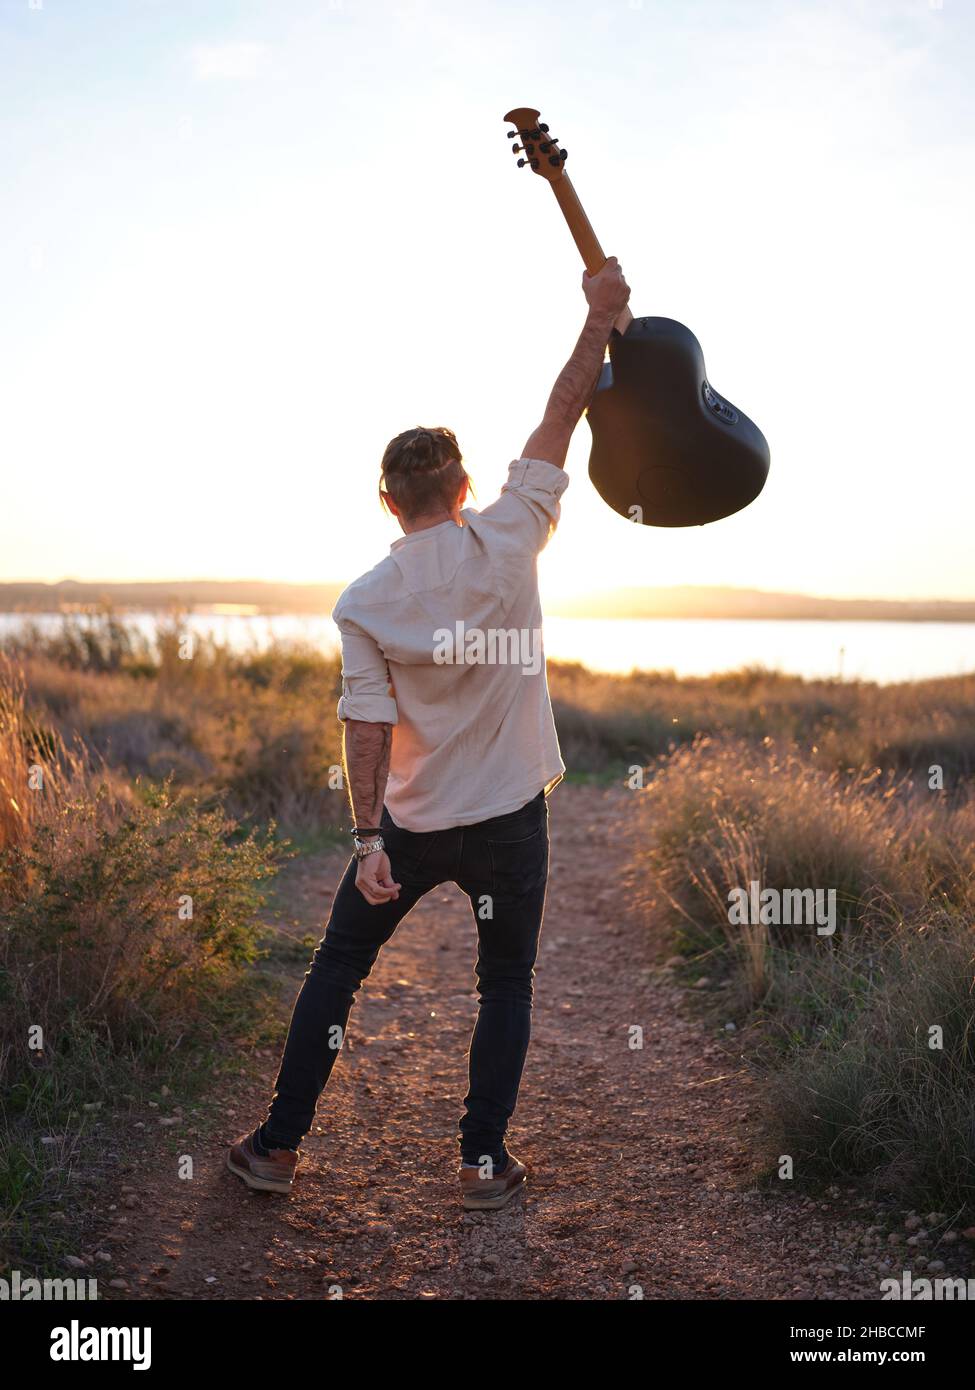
pixel 171 593
pixel 681 601
pixel 701 601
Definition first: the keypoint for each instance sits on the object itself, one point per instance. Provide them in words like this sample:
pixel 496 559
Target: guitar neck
pixel 593 255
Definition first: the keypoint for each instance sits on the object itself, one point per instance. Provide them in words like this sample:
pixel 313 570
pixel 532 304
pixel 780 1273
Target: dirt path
pixel 641 1156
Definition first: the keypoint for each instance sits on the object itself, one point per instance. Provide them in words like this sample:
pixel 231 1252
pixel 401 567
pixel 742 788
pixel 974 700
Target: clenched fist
pixel 374 879
pixel 607 290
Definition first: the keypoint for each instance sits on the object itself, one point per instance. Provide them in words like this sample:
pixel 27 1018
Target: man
pixel 450 750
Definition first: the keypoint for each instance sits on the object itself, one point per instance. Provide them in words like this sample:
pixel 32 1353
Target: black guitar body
pixel 667 450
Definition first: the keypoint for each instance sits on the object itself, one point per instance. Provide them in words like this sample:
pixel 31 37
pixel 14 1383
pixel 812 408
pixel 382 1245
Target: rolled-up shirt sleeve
pixel 366 690
pixel 529 503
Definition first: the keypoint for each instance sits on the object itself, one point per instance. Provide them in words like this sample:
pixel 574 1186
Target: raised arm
pixel 606 294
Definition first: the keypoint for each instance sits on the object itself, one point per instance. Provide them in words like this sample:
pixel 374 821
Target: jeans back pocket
pixel 518 865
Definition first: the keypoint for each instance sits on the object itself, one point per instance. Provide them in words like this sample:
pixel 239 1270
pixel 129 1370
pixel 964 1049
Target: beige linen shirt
pixel 443 639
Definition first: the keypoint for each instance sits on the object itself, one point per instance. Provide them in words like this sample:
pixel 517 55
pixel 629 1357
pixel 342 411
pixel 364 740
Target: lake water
pixel 882 652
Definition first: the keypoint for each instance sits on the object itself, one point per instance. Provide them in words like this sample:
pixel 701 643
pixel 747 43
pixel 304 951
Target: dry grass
pixel 128 912
pixel 848 726
pixel 752 776
pixel 255 733
pixel 840 1025
pixel 725 812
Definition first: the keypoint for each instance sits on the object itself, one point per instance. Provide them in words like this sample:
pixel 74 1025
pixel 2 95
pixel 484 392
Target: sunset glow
pixel 236 263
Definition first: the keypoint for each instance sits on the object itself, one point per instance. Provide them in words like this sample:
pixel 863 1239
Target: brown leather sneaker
pixel 486 1194
pixel 275 1173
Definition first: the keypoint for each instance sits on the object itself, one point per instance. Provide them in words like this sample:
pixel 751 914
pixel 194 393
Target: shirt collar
pixel 427 531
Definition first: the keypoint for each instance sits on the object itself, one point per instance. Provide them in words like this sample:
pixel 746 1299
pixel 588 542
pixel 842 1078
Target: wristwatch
pixel 366 847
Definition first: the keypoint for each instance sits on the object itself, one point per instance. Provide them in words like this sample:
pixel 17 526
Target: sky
pixel 244 244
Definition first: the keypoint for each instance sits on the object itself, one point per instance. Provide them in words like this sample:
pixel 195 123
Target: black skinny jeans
pixel 502 866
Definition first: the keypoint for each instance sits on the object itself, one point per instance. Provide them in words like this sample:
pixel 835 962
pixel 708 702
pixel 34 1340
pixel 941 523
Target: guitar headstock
pixel 539 150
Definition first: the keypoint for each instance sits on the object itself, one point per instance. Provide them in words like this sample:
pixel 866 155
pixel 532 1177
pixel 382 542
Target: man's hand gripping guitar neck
pixel 606 294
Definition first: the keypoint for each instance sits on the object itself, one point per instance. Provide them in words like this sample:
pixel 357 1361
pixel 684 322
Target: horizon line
pixel 580 596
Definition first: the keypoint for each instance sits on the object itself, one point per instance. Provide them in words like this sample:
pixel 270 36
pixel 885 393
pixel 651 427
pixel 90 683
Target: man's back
pixel 451 621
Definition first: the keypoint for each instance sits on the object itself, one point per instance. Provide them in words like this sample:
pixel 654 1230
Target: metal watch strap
pixel 363 848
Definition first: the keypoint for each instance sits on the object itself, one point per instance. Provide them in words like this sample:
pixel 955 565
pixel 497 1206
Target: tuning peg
pixel 543 127
pixel 532 162
pixel 511 134
pixel 563 155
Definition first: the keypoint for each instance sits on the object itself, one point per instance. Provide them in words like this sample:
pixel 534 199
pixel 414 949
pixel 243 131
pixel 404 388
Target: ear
pixel 388 502
pixel 465 489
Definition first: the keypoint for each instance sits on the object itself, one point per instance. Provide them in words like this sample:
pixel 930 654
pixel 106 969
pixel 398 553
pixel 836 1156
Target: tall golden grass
pixel 865 1038
pixel 255 734
pixel 844 725
pixel 35 768
pixel 128 912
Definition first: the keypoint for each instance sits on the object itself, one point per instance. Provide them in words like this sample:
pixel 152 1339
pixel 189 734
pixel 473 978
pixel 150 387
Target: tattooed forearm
pixel 576 382
pixel 365 752
pixel 572 391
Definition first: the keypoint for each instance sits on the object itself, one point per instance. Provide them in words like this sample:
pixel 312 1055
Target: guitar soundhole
pixel 719 407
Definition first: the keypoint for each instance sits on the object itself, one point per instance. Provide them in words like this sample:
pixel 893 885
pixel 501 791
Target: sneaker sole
pixel 259 1184
pixel 473 1203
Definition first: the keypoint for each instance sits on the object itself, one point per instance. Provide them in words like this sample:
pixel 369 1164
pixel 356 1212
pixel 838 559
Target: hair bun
pixel 422 470
pixel 425 451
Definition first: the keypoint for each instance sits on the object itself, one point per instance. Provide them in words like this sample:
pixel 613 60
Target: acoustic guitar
pixel 667 448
